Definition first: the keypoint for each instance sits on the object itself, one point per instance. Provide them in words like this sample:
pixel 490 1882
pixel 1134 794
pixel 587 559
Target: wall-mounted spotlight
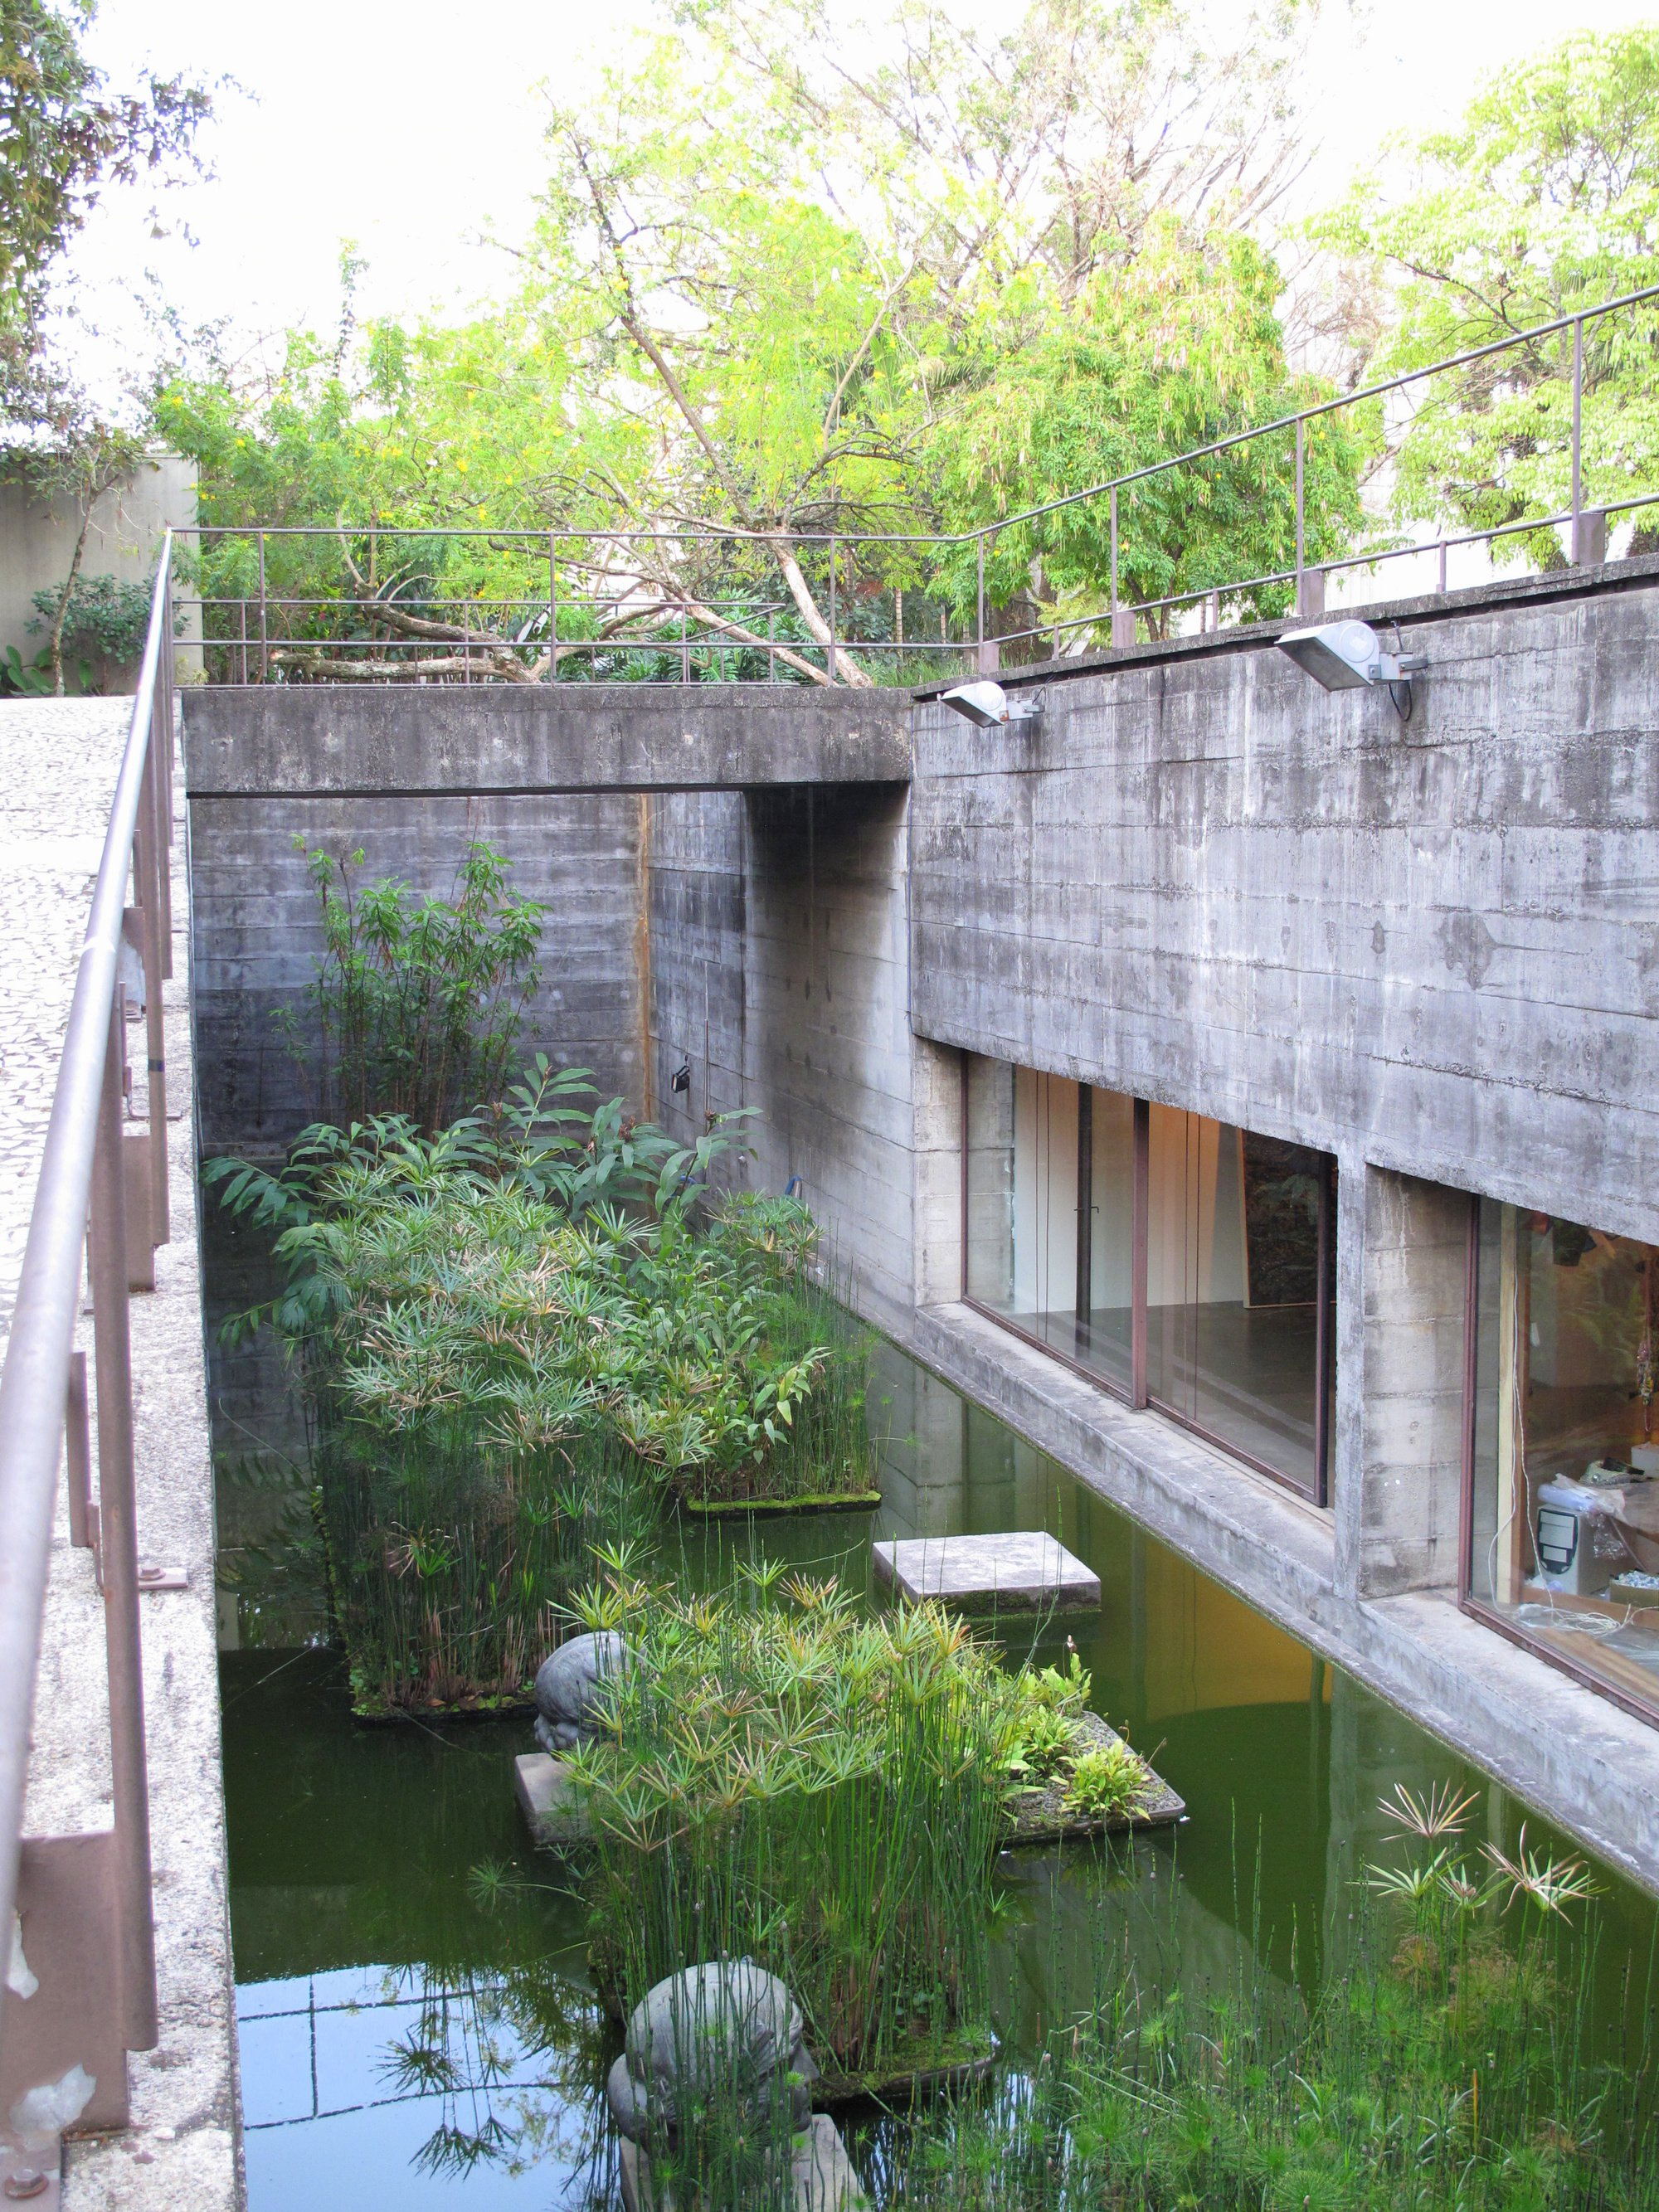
pixel 680 1080
pixel 988 706
pixel 1348 656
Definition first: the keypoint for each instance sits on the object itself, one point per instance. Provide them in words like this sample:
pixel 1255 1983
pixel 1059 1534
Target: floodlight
pixel 1348 656
pixel 988 706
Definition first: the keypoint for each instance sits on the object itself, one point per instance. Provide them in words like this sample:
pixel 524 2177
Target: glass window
pixel 1239 1279
pixel 1044 1155
pixel 1237 1331
pixel 1564 1519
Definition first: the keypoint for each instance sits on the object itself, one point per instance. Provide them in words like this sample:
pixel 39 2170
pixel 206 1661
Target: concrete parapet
pixel 340 739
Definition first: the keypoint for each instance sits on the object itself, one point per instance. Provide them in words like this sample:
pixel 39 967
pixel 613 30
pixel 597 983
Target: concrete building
pixel 1249 1097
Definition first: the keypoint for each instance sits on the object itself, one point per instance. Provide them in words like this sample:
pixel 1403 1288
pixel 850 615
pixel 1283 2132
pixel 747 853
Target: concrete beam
pixel 314 741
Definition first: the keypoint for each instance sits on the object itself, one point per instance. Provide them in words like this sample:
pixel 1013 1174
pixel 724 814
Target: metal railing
pixel 624 603
pixel 75 1909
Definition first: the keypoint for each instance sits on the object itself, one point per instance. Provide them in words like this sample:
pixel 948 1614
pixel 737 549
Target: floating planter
pixel 782 1778
pixel 857 1501
pixel 1056 1808
pixel 1022 1571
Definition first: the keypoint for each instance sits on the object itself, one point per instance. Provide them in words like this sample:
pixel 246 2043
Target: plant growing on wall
pixel 418 1001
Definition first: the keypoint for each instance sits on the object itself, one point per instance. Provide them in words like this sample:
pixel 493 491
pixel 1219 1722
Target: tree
pixel 64 137
pixel 772 298
pixel 1544 200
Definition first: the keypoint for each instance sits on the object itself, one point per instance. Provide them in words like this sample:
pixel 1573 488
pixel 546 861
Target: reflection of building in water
pixel 1204 1648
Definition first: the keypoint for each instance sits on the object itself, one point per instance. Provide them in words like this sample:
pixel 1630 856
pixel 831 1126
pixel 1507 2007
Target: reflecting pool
pixel 417 2025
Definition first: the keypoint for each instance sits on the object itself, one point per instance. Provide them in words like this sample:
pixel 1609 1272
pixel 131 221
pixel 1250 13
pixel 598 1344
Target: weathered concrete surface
pixel 1023 1568
pixel 182 2153
pixel 778 973
pixel 361 740
pixel 259 931
pixel 1577 1757
pixel 1203 880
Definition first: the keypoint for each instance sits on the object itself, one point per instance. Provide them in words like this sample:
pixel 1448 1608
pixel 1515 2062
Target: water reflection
pixel 407 2041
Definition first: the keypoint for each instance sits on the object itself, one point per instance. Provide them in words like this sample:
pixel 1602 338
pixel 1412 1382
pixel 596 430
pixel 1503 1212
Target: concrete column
pixel 1410 1465
pixel 936 1100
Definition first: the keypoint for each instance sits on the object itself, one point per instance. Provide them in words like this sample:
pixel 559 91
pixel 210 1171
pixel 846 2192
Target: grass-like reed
pixel 782 1778
pixel 453 1561
pixel 1445 2067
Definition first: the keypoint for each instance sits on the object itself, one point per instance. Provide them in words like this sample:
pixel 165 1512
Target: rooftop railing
pixel 74 1909
pixel 374 602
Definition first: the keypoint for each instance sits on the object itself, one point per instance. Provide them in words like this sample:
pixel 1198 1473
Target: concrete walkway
pixel 58 765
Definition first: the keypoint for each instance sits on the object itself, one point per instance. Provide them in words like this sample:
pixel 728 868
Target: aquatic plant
pixel 1444 2065
pixel 1108 1780
pixel 1048 1744
pixel 781 1778
pixel 514 1335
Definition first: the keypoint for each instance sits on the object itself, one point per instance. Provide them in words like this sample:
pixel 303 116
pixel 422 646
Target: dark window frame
pixel 1137 1397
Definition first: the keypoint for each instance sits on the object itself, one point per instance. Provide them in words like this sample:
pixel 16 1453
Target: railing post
pixel 1578 426
pixel 265 630
pixel 146 877
pixel 979 608
pixel 1589 525
pixel 118 1551
pixel 832 662
pixel 1123 621
pixel 1309 582
pixel 552 608
pixel 78 1458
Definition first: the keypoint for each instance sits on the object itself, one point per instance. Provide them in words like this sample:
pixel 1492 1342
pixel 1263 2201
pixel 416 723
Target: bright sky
pixel 413 128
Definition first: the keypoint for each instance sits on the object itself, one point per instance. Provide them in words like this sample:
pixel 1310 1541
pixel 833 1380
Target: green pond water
pixel 407 2043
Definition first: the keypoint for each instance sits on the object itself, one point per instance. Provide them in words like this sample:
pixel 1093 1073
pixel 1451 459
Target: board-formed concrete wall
pixel 778 973
pixel 1201 879
pixel 259 935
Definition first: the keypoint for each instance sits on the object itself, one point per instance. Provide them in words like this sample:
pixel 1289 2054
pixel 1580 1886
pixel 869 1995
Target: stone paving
pixel 182 2152
pixel 58 759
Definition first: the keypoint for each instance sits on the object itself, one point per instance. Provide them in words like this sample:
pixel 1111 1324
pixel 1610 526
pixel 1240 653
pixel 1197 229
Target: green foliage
pixel 781 1778
pixel 1180 350
pixel 418 1001
pixel 452 1555
pixel 792 274
pixel 1543 201
pixel 63 136
pixel 25 679
pixel 1107 1780
pixel 103 619
pixel 513 1335
pixel 1444 2066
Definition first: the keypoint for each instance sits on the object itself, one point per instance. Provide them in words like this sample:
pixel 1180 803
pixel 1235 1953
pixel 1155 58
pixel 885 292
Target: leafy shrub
pixel 418 1001
pixel 105 620
pixel 1107 1780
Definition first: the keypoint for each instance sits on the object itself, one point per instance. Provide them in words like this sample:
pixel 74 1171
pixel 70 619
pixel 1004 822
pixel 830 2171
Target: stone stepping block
pixel 822 2176
pixel 1040 1815
pixel 551 1809
pixel 1022 1571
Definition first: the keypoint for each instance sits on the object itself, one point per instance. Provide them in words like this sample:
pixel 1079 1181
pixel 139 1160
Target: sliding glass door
pixel 1182 1261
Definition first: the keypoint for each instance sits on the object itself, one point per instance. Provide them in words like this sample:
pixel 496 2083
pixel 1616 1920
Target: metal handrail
pixel 82 1203
pixel 1307 576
